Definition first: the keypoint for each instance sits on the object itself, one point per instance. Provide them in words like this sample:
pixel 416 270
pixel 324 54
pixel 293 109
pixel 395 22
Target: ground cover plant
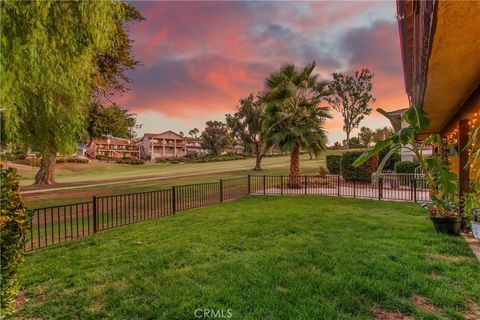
pixel 261 257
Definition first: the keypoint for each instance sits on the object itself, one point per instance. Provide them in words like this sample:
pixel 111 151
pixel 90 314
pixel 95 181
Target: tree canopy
pixel 247 126
pixel 215 137
pixel 294 117
pixel 54 57
pixel 351 97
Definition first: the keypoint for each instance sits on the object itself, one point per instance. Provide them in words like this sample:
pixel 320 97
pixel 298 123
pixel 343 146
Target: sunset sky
pixel 199 58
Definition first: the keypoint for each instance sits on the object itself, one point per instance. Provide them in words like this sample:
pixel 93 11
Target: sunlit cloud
pixel 199 58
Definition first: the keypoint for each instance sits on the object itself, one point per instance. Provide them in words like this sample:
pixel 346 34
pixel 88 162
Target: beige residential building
pixel 112 147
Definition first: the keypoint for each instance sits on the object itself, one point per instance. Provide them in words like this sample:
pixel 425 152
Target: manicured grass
pixel 262 258
pixel 277 167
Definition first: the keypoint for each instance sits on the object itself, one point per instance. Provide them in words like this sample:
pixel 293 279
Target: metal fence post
pixel 380 188
pixel 248 185
pixel 94 214
pixel 264 184
pixel 281 184
pixel 221 190
pixel 306 180
pixel 338 185
pixel 414 190
pixel 174 201
pixel 354 187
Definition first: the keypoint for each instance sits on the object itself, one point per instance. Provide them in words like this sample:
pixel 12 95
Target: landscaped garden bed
pixel 261 258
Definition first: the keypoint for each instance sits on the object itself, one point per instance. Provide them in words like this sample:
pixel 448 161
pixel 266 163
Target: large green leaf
pixel 417 119
pixel 444 178
pixel 396 124
pixel 381 145
pixel 384 161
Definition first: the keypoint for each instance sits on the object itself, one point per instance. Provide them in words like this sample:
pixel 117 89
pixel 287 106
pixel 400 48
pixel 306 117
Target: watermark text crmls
pixel 213 313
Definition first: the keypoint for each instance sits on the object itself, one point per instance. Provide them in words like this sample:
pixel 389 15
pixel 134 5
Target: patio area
pixel 309 257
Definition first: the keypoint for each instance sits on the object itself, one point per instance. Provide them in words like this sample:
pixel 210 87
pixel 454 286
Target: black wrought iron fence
pixel 52 225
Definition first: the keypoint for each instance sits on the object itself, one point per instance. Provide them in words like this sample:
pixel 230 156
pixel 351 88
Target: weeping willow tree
pixel 48 60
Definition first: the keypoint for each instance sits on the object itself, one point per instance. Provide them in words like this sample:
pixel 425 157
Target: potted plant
pixel 441 182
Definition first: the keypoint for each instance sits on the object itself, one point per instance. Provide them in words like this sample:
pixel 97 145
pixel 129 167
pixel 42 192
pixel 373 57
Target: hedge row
pixel 406 166
pixel 363 172
pixel 333 163
pixel 204 159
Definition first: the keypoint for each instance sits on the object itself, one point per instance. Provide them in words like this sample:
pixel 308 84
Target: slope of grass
pixel 260 258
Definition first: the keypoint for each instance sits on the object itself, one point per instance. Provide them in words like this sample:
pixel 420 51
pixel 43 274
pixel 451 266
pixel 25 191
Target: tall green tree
pixel 365 136
pixel 351 97
pixel 111 120
pixel 246 124
pixel 49 71
pixel 294 119
pixel 216 137
pixel 194 133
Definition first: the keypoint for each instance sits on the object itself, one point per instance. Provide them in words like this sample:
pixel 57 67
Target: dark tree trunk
pixel 258 162
pixel 310 154
pixel 294 180
pixel 348 140
pixel 47 169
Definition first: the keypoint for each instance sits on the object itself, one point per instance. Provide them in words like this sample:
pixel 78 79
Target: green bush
pixel 203 159
pixel 13 223
pixel 364 172
pixel 104 158
pixel 333 163
pixel 394 158
pixel 133 161
pixel 405 166
pixel 72 160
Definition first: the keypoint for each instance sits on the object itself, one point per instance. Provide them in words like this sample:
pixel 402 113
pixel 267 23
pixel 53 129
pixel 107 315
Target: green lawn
pixel 91 172
pixel 230 169
pixel 262 258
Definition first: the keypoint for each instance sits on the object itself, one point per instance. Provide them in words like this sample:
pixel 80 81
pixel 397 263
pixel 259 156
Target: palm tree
pixel 294 118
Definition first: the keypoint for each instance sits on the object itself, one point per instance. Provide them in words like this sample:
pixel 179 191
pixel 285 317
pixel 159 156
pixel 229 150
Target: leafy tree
pixel 365 136
pixel 246 125
pixel 351 97
pixel 354 142
pixel 50 51
pixel 294 118
pixel 194 133
pixel 181 133
pixel 381 134
pixel 112 120
pixel 216 137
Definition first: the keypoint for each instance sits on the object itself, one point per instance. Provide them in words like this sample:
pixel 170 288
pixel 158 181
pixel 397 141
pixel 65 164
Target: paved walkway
pixel 473 243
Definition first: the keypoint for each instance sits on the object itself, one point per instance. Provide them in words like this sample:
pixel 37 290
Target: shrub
pixel 104 158
pixel 133 161
pixel 364 172
pixel 72 160
pixel 13 222
pixel 405 166
pixel 333 163
pixel 394 158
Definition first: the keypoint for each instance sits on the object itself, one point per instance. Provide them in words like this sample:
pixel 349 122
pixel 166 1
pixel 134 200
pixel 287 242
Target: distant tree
pixel 194 133
pixel 181 133
pixel 337 145
pixel 216 137
pixel 294 118
pixel 354 142
pixel 112 120
pixel 365 136
pixel 381 134
pixel 48 57
pixel 351 97
pixel 246 125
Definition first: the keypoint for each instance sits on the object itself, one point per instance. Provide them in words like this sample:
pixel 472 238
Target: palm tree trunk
pixel 47 168
pixel 294 180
